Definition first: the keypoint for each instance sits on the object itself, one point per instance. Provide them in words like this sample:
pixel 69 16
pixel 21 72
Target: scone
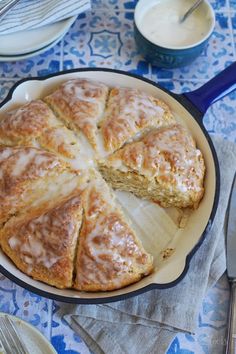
pixel 30 177
pixel 130 113
pixel 34 124
pixel 59 220
pixel 42 243
pixel 164 166
pixel 109 254
pixel 80 104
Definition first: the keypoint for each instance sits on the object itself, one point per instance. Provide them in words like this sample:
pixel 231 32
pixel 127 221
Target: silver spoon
pixel 192 8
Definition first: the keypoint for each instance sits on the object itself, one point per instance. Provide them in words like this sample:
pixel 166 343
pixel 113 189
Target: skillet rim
pixel 198 117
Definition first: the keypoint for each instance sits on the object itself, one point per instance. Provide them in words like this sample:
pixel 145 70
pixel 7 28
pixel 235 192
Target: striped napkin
pixel 31 14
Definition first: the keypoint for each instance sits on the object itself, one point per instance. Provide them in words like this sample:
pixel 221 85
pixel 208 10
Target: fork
pixel 10 338
pixel 7 7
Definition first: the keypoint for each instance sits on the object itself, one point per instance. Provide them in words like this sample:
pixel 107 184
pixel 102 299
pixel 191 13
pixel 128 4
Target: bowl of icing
pixel 163 40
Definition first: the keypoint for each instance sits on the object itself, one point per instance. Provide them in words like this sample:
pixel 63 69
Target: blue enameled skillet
pixel 189 108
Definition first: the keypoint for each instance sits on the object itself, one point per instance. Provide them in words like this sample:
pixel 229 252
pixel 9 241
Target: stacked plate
pixel 26 44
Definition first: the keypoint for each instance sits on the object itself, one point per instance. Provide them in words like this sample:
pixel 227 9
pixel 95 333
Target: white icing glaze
pixel 5 153
pixel 38 241
pixel 14 242
pixel 162 20
pixel 24 159
pixel 161 154
pixel 85 92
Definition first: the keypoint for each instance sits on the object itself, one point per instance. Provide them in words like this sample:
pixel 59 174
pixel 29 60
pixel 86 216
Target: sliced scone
pixel 42 243
pixel 130 112
pixel 80 104
pixel 109 254
pixel 34 124
pixel 164 166
pixel 30 177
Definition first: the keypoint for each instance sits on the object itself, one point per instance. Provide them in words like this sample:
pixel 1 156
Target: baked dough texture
pixel 109 256
pixel 34 124
pixel 31 177
pixel 164 166
pixel 85 235
pixel 62 224
pixel 42 244
pixel 130 112
pixel 80 104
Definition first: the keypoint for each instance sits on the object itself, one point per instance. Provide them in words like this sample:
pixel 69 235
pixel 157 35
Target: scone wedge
pixel 35 125
pixel 42 243
pixel 129 114
pixel 83 242
pixel 109 254
pixel 31 177
pixel 80 104
pixel 164 166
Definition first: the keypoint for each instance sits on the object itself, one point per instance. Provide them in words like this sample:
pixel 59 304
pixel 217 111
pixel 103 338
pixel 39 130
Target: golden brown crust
pixel 43 245
pixel 27 175
pixel 47 206
pixel 34 124
pixel 130 112
pixel 109 254
pixel 164 166
pixel 24 164
pixel 80 103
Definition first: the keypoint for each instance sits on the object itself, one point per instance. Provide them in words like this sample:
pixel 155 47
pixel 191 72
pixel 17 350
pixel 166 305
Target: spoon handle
pixel 183 18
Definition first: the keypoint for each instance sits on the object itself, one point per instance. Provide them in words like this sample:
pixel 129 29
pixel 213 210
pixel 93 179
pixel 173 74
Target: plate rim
pixel 13 58
pixel 32 328
pixel 197 116
pixel 68 22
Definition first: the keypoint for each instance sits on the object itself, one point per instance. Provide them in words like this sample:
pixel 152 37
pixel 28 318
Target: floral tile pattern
pixel 220 118
pixel 103 37
pixel 5 87
pixel 232 4
pixel 43 64
pixel 103 40
pixel 28 306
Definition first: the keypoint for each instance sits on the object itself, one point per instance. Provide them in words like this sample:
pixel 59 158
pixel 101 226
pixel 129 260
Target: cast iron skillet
pixel 189 108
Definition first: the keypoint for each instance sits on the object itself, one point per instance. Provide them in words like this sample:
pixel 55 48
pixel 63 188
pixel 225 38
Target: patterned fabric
pixel 104 37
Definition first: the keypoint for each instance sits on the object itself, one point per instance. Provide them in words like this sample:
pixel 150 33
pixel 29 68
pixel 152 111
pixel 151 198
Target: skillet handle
pixel 213 90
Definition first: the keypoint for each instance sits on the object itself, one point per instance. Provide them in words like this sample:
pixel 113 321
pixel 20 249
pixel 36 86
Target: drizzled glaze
pixel 130 111
pixel 167 154
pixel 81 104
pixel 49 241
pixel 25 121
pixel 24 164
pixel 108 250
pixel 109 255
pixel 35 123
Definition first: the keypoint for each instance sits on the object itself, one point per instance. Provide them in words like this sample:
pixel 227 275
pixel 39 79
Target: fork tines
pixel 10 337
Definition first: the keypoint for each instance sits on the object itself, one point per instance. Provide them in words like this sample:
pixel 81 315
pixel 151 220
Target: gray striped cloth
pixel 30 14
pixel 148 323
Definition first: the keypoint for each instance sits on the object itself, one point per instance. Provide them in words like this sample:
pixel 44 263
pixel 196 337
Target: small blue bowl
pixel 169 57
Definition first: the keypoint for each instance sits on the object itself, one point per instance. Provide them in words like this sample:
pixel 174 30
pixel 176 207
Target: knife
pixel 231 269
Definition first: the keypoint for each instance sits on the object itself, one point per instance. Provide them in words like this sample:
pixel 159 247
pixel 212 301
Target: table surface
pixel 104 37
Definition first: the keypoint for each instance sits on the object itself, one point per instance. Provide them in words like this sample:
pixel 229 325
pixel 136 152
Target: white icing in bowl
pixel 159 22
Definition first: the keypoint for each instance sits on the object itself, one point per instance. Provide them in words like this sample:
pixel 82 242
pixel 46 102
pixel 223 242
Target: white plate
pixel 29 41
pixel 31 54
pixel 155 226
pixel 34 341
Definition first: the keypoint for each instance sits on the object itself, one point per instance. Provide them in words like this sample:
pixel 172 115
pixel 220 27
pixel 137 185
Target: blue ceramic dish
pixel 165 57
